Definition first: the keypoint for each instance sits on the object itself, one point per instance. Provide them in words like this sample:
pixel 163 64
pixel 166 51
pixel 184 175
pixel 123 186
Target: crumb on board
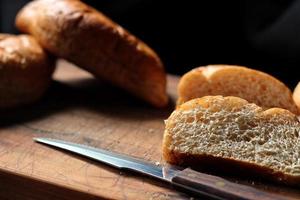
pixel 150 130
pixel 157 163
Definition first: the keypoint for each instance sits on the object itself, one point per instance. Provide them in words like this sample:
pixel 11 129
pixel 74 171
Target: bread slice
pixel 84 36
pixel 226 80
pixel 228 133
pixel 25 70
pixel 296 95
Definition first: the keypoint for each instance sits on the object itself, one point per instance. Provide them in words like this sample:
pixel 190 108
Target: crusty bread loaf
pixel 296 95
pixel 230 133
pixel 25 70
pixel 254 86
pixel 74 31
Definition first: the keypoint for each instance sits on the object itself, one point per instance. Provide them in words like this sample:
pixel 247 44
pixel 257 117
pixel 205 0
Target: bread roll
pixel 25 70
pixel 228 133
pixel 296 95
pixel 82 35
pixel 254 86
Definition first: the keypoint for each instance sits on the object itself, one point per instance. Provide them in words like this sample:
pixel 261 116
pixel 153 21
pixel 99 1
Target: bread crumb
pixel 157 163
pixel 150 130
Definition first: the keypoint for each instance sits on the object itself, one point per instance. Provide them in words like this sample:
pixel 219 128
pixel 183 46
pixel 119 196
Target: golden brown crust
pixel 25 70
pixel 254 86
pixel 224 164
pixel 296 95
pixel 74 31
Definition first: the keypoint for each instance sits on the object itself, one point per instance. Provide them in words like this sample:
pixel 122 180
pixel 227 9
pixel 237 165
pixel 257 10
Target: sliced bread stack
pixel 230 133
pixel 226 121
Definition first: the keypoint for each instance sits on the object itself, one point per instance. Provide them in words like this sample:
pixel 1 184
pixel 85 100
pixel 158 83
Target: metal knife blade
pixel 116 160
pixel 190 180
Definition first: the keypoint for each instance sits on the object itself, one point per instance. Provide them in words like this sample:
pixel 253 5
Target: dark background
pixel 262 34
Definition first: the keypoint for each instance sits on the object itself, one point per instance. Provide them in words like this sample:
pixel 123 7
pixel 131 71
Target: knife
pixel 191 181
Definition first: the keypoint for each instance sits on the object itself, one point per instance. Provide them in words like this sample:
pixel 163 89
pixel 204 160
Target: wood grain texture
pixel 80 109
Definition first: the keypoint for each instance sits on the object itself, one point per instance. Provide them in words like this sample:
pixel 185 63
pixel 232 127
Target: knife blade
pixel 190 180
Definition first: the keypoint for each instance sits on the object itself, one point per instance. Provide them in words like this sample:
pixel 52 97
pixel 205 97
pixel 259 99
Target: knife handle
pixel 219 188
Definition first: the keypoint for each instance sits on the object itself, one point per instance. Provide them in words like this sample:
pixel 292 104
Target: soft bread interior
pixel 232 128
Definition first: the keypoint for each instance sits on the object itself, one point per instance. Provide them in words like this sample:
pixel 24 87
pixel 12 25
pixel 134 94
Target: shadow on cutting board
pixel 74 88
pixel 86 93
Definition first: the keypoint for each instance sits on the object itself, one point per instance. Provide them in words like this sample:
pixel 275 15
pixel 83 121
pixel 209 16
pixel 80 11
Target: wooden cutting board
pixel 81 109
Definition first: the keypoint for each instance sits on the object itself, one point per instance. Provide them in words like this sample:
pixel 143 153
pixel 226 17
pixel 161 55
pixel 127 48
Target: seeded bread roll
pixel 25 70
pixel 230 133
pixel 82 35
pixel 296 95
pixel 254 86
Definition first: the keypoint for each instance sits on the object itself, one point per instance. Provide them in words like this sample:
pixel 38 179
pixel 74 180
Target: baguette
pixel 84 36
pixel 254 86
pixel 296 95
pixel 25 70
pixel 228 133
